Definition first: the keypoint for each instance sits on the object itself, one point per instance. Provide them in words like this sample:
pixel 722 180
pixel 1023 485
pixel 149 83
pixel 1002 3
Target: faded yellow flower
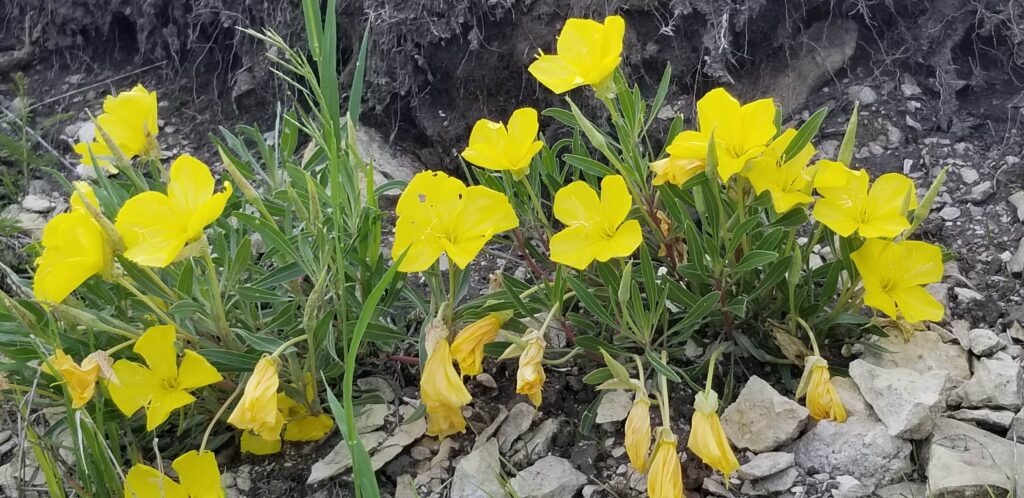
pixel 530 377
pixel 707 438
pixel 468 347
pixel 443 393
pixel 257 410
pixel 80 380
pixel 638 431
pixel 823 401
pixel 665 475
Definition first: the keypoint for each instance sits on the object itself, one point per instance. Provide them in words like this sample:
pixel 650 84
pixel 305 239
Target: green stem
pixel 567 357
pixel 287 344
pixel 711 371
pixel 810 335
pixel 220 316
pixel 220 412
pixel 453 279
pixel 535 201
pixel 121 346
pixel 159 282
pixel 149 302
pixel 663 402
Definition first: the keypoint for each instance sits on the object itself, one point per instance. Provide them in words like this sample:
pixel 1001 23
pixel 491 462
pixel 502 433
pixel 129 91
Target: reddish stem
pixel 408 360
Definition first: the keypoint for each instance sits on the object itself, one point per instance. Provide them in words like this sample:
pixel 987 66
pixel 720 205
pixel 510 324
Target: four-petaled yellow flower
pixel 443 393
pixel 80 380
pixel 665 475
pixel 439 214
pixel 75 247
pixel 164 386
pixel 156 227
pixel 707 438
pixel 741 133
pixel 505 148
pixel 257 410
pixel 675 170
pixel 894 274
pixel 829 174
pixel 587 54
pixel 197 471
pixel 530 377
pixel 130 120
pixel 638 431
pixel 823 401
pixel 880 211
pixel 789 183
pixel 596 228
pixel 468 346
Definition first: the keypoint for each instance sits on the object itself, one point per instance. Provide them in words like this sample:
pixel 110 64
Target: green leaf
pixel 589 165
pixel 230 361
pixel 280 275
pixel 590 414
pixel 793 218
pixel 846 148
pixel 618 371
pixel 804 134
pixel 590 303
pixel 661 367
pixel 595 345
pixel 754 259
pixel 701 309
pixel 263 343
pixel 659 96
pixel 598 376
pixel 252 294
pixel 355 96
pixel 562 116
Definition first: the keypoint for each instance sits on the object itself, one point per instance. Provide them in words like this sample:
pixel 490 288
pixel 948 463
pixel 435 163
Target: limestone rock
pixel 766 464
pixel 984 342
pixel 995 384
pixel 761 419
pixel 853 401
pixel 772 485
pixel 904 400
pixel 860 447
pixel 478 475
pixel 995 420
pixel 550 477
pixel 903 490
pixel 963 460
pixel 850 487
pixel 518 421
pixel 614 406
pixel 924 352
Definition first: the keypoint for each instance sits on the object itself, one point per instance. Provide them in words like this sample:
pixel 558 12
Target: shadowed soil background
pixel 941 83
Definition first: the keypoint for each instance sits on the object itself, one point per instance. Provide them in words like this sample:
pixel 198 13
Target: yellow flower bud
pixel 638 431
pixel 707 438
pixel 665 477
pixel 468 347
pixel 530 378
pixel 443 393
pixel 257 410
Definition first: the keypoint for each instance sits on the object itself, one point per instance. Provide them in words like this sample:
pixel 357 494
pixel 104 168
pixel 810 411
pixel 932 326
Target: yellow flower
pixel 164 386
pixel 468 347
pixel 130 120
pixel 831 174
pixel 197 471
pixel 156 227
pixel 79 380
pixel 675 170
pixel 495 146
pixel 638 431
pixel 741 132
pixel 823 402
pixel 894 274
pixel 443 393
pixel 530 377
pixel 665 476
pixel 439 214
pixel 596 228
pixel 588 53
pixel 788 183
pixel 257 410
pixel 707 438
pixel 75 247
pixel 878 212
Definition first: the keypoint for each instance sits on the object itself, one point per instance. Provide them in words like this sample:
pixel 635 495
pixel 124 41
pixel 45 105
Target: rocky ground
pixel 938 414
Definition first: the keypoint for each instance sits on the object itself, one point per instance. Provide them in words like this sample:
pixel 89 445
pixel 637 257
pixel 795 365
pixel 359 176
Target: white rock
pixel 940 292
pixel 772 485
pixel 1016 331
pixel 850 487
pixel 540 442
pixel 904 400
pixel 853 401
pixel 614 407
pixel 1016 263
pixel 340 460
pixel 766 464
pixel 995 384
pixel 965 295
pixel 37 203
pixel 980 192
pixel 478 475
pixel 518 421
pixel 985 418
pixel 863 94
pixel 968 175
pixel 761 419
pixel 963 460
pixel 903 490
pixel 984 342
pixel 550 477
pixel 371 417
pixel 1017 201
pixel 405 487
pixel 490 430
pixel 485 379
pixel 949 213
pixel 716 488
pixel 387 159
pixel 860 447
pixel 379 384
pixel 909 88
pixel 924 352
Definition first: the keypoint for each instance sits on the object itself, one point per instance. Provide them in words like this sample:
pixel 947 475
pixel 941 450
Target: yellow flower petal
pixel 257 410
pixel 74 249
pixel 144 481
pixel 893 273
pixel 576 204
pixel 443 393
pixel 588 53
pixel 530 377
pixel 157 346
pixel 133 386
pixel 163 403
pixel 665 474
pixel 574 246
pixel 253 443
pixel 196 371
pixel 495 146
pixel 468 347
pixel 709 443
pixel 95 154
pixel 638 432
pixel 80 381
pixel 153 233
pixel 308 428
pixel 823 402
pixel 199 474
pixel 622 243
pixel 675 170
pixel 595 225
